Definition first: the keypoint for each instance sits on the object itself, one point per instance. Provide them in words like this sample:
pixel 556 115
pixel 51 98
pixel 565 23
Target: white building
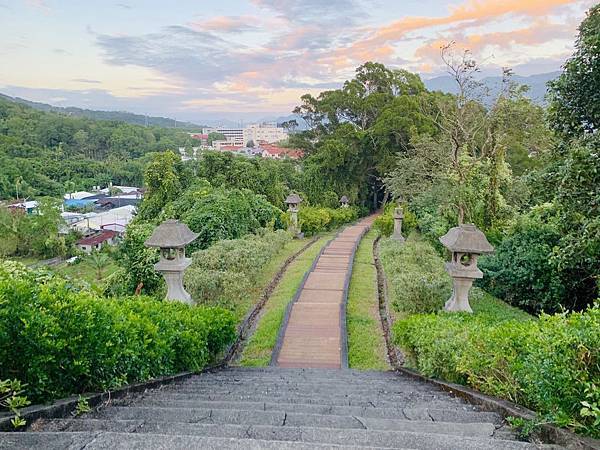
pixel 115 219
pixel 239 137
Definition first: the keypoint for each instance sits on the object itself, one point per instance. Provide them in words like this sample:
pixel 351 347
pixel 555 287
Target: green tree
pixel 575 94
pixel 99 261
pixel 214 136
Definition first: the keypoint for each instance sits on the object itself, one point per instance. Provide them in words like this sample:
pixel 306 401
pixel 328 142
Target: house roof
pixel 275 150
pixel 97 238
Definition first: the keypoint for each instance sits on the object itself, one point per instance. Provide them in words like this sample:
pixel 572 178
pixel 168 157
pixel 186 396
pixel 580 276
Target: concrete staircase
pixel 277 408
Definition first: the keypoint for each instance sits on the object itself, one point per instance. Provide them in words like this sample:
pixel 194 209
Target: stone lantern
pixel 171 237
pixel 466 242
pixel 293 201
pixel 344 202
pixel 398 216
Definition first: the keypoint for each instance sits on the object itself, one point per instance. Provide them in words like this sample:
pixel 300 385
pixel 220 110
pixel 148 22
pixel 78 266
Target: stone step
pixel 410 399
pixel 364 411
pixel 306 389
pixel 278 418
pixel 128 441
pixel 440 436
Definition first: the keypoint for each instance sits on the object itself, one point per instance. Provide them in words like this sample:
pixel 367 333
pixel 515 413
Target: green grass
pixel 366 345
pixel 260 346
pixel 266 275
pixel 84 271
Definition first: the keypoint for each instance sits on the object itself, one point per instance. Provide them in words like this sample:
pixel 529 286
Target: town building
pixel 275 152
pixel 239 137
pixel 96 240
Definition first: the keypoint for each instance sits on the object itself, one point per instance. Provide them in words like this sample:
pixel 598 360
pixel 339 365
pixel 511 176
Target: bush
pixel 225 272
pixel 218 214
pixel 315 219
pixel 385 222
pixel 417 278
pixel 524 272
pixel 551 365
pixel 60 341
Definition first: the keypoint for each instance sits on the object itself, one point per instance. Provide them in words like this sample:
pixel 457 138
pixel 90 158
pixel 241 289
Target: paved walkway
pixel 314 335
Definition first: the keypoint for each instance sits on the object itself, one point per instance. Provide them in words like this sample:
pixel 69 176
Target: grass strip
pixel 366 345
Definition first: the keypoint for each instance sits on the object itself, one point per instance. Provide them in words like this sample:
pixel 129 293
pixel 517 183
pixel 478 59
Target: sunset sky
pixel 252 58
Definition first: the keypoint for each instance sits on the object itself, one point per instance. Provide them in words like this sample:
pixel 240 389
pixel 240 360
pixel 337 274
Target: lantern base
pixel 459 301
pixel 175 289
pixel 398 237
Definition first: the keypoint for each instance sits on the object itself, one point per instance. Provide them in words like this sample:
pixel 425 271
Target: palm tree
pixel 99 261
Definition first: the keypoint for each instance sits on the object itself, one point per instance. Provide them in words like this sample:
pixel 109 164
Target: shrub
pixel 62 341
pixel 524 272
pixel 225 272
pixel 385 222
pixel 551 365
pixel 417 279
pixel 315 219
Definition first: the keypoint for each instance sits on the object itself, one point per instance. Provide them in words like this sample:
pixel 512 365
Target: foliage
pixel 417 279
pixel 217 214
pixel 385 222
pixel 550 365
pixel 314 219
pixel 34 234
pixel 136 272
pixel 62 341
pixel 575 94
pixel 11 399
pixel 51 153
pixel 355 131
pixel 224 273
pixel 269 177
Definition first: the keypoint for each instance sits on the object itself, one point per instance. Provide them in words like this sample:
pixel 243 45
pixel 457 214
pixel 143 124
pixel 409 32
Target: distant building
pixel 28 206
pixel 117 218
pixel 276 152
pixel 239 137
pixel 96 240
pixel 203 138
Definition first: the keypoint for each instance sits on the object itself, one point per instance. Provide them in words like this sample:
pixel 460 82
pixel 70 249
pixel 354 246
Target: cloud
pixel 123 5
pixel 85 80
pixel 227 24
pixel 39 4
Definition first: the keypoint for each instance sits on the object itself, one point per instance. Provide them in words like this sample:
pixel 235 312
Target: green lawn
pixel 366 346
pixel 260 346
pixel 84 271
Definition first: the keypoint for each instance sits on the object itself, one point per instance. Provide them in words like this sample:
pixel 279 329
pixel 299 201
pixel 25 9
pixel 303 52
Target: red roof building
pixel 97 240
pixel 276 152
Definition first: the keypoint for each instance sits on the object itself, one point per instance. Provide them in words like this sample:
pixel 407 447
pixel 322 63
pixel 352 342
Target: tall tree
pixel 575 95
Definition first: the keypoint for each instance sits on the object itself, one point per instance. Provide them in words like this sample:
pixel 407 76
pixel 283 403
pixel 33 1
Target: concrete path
pixel 314 332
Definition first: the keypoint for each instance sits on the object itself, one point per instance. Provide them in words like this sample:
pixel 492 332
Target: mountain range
pixel 536 83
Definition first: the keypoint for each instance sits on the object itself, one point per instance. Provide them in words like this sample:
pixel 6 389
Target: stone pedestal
pixel 173 275
pixel 398 216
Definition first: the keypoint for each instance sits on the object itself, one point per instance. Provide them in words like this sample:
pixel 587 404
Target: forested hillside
pixel 120 116
pixel 45 153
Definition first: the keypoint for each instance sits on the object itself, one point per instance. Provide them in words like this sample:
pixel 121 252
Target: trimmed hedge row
pixel 61 340
pixel 314 219
pixel 551 365
pixel 225 272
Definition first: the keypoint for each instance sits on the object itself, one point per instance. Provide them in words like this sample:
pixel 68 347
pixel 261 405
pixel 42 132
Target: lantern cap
pixel 344 199
pixel 466 238
pixel 293 199
pixel 171 234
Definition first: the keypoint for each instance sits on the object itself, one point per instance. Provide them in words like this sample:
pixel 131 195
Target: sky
pixel 245 59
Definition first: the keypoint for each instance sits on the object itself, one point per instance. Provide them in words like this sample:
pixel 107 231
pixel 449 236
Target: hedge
pixel 60 340
pixel 314 219
pixel 224 273
pixel 551 365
